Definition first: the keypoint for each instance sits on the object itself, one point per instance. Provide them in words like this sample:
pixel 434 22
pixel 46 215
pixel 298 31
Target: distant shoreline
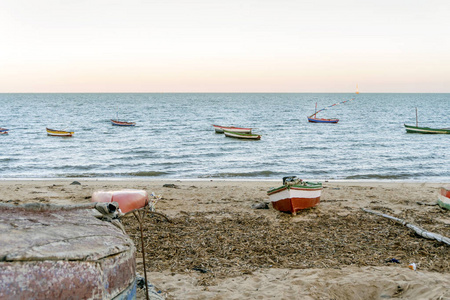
pixel 142 179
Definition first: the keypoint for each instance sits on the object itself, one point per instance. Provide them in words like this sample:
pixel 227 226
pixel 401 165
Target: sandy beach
pixel 219 246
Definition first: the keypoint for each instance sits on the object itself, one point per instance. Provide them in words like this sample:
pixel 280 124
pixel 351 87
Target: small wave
pixel 87 175
pixel 379 176
pixel 242 174
pixel 8 159
pixel 145 173
pixel 130 174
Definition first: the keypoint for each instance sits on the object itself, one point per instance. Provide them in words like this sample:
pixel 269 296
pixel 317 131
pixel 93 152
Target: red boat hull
pixel 295 204
pixel 295 198
pixel 445 192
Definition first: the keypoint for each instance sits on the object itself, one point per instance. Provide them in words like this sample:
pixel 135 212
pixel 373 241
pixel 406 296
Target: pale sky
pixel 224 46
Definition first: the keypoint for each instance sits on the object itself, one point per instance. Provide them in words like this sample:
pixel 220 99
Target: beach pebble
pixel 171 185
pixel 261 205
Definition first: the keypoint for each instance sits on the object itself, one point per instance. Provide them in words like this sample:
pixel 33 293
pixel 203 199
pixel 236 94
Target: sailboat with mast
pixel 417 129
pixel 313 118
pixel 357 90
pixel 116 122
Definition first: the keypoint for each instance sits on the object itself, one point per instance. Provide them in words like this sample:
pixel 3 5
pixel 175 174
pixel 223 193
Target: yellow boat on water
pixel 54 132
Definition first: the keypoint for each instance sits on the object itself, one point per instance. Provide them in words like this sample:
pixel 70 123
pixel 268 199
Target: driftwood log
pixel 420 231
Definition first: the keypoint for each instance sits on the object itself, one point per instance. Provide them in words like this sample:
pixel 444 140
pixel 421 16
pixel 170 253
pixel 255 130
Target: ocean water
pixel 174 137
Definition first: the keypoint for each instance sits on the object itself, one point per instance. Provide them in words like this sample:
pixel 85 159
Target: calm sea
pixel 174 138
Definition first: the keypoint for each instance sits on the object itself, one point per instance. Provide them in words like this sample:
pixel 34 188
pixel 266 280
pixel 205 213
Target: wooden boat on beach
pixel 444 198
pixel 295 194
pixel 54 132
pixel 128 199
pixel 220 129
pixel 122 123
pixel 240 135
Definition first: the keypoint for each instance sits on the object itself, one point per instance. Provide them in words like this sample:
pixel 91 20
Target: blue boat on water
pixel 313 119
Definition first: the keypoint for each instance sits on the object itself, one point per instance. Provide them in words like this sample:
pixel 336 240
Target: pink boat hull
pixel 128 199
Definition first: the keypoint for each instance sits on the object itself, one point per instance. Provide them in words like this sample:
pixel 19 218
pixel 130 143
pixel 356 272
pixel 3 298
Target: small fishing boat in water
pixel 444 198
pixel 122 123
pixel 417 129
pixel 54 132
pixel 240 135
pixel 313 119
pixel 220 129
pixel 4 129
pixel 295 194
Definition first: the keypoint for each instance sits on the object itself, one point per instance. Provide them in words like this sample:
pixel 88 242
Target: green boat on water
pixel 416 129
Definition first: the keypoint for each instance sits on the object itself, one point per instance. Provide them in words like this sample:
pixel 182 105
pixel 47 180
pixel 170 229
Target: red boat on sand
pixel 444 198
pixel 295 194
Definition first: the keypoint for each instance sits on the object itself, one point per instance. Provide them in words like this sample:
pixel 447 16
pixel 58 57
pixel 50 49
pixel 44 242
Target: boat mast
pixel 315 111
pixel 357 90
pixel 417 122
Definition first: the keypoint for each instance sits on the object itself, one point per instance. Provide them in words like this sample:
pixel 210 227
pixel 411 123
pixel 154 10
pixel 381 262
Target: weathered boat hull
pixel 128 199
pixel 53 132
pixel 239 135
pixel 49 252
pixel 317 120
pixel 121 123
pixel 294 198
pixel 221 129
pixel 444 198
pixel 426 130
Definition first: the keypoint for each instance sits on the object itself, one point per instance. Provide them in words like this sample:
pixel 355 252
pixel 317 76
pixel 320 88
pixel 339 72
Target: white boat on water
pixel 239 135
pixel 221 129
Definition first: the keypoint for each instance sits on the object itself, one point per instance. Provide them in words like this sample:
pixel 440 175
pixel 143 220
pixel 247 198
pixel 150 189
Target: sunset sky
pixel 225 46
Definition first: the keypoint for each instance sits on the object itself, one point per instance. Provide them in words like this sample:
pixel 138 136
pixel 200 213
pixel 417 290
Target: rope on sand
pixel 418 230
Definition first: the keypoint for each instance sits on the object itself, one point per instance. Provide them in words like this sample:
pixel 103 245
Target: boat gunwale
pixel 418 129
pixel 312 187
pixel 242 135
pixel 122 123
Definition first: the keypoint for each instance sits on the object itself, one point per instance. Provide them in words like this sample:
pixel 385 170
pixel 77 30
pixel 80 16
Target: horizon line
pixel 353 93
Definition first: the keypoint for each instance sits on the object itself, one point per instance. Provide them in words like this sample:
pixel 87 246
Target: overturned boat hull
pixel 54 252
